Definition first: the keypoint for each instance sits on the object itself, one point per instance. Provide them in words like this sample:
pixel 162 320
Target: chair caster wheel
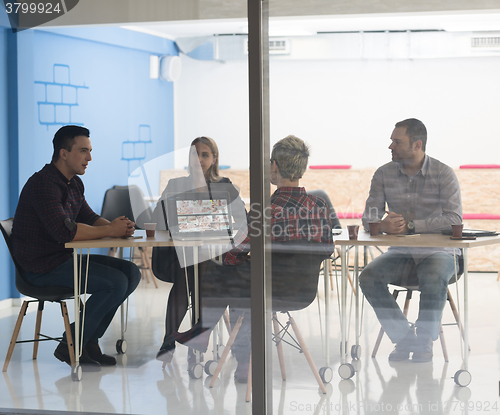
pixel 121 346
pixel 210 367
pixel 356 351
pixel 76 373
pixel 346 371
pixel 195 371
pixel 326 374
pixel 462 378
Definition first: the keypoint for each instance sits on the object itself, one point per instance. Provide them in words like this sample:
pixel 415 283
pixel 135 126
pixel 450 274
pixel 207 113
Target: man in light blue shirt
pixel 422 196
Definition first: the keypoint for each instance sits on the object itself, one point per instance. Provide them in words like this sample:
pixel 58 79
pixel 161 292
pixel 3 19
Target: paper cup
pixel 353 231
pixel 457 230
pixel 150 229
pixel 374 228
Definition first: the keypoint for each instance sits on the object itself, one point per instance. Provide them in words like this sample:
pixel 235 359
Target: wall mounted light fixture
pixel 154 66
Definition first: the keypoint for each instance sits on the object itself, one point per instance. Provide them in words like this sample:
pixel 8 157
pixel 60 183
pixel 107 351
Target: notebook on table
pixel 199 216
pixel 472 232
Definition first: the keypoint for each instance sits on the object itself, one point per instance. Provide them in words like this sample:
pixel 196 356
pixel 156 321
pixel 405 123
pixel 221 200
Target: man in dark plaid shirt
pixel 51 211
pixel 299 222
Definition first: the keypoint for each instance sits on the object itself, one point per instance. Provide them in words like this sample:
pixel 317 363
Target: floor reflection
pixel 138 385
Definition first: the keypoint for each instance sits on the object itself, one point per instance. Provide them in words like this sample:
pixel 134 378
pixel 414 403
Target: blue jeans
pixel 431 275
pixel 110 281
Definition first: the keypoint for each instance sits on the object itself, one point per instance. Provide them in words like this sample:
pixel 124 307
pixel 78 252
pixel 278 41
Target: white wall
pixel 211 98
pixel 346 110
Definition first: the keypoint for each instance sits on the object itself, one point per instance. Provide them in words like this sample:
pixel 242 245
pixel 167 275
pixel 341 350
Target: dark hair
pixel 415 130
pixel 65 138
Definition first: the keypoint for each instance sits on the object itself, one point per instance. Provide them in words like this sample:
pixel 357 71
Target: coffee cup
pixel 353 231
pixel 150 229
pixel 374 228
pixel 457 230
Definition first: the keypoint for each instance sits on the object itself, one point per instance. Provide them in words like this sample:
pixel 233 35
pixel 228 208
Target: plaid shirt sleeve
pixel 241 249
pixel 294 216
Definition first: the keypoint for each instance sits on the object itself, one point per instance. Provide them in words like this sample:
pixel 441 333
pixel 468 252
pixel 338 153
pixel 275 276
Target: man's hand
pixel 121 226
pixel 393 224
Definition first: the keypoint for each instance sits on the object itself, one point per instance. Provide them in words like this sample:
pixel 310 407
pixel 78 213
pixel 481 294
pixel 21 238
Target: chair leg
pixel 13 340
pixel 308 356
pixel 249 380
pixel 279 346
pixel 407 303
pixel 351 282
pixel 69 336
pixel 227 321
pixel 395 294
pixel 38 327
pixel 455 314
pixel 226 351
pixel 377 343
pixel 443 343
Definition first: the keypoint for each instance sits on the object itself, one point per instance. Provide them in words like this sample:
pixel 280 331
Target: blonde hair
pixel 213 170
pixel 291 155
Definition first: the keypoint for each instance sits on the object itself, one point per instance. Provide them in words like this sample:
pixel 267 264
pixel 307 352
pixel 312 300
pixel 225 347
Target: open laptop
pixel 198 215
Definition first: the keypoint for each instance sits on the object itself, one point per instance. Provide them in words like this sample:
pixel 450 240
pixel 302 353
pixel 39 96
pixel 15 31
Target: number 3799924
pixel 34 7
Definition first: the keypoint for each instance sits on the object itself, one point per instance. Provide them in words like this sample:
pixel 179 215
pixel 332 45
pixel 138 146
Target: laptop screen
pixel 202 215
pixel 195 215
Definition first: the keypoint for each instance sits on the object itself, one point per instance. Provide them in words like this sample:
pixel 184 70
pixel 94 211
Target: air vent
pixel 277 46
pixel 485 42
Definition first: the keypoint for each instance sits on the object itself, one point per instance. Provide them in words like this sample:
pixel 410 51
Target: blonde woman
pixel 203 174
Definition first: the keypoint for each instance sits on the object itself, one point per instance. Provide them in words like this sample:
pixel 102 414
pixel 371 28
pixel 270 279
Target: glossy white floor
pixel 139 386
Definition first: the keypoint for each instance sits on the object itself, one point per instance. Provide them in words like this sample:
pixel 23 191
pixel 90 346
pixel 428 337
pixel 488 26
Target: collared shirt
pixel 49 207
pixel 431 199
pixel 295 216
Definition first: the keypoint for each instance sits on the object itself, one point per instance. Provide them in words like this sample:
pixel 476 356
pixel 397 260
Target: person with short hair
pixel 52 211
pixel 422 196
pixel 296 218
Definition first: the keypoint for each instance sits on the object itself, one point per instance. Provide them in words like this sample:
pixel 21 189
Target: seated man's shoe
pixel 87 363
pixel 404 347
pixel 423 350
pixel 94 352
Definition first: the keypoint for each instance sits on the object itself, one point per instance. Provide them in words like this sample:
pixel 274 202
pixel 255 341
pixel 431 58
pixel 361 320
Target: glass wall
pixel 341 83
pixel 296 109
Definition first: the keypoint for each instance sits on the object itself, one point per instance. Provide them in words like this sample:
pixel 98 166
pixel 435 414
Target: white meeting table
pixel 161 239
pixel 346 370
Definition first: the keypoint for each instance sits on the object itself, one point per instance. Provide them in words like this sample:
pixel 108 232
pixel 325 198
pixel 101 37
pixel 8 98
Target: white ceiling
pixel 483 21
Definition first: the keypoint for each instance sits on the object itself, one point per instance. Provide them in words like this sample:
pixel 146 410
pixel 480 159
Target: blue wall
pixel 5 264
pixel 96 77
pixel 105 86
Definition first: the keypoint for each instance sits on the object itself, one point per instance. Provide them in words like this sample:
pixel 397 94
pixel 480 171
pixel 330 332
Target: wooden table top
pixel 419 240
